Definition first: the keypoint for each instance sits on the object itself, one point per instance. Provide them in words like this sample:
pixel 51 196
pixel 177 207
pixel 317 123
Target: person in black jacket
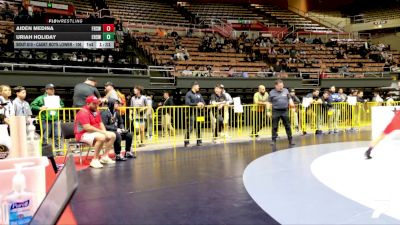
pixel 194 98
pixel 326 107
pixel 113 122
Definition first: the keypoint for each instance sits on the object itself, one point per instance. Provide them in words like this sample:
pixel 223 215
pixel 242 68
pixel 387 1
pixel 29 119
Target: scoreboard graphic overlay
pixel 64 34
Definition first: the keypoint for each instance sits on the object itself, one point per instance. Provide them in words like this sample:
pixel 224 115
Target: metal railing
pixel 72 69
pixel 172 125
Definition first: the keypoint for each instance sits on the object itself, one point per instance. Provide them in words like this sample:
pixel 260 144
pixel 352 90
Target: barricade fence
pixel 172 125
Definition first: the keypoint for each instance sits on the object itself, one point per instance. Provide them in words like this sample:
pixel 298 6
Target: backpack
pixel 122 100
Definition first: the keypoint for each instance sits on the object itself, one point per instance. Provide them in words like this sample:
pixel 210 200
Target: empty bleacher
pixel 290 18
pixel 222 12
pixel 82 6
pixel 146 12
pixel 380 14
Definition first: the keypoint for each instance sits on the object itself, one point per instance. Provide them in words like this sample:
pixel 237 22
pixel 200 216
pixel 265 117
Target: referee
pixel 280 101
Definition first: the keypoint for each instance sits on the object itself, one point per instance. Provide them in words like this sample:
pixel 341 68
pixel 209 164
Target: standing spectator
pixel 312 111
pixel 83 90
pixel 49 119
pixel 193 98
pixel 21 107
pixel 7 109
pixel 342 95
pixel 218 100
pixel 229 101
pixel 389 99
pixel 279 100
pixel 326 114
pixel 90 129
pixel 377 98
pixel 166 114
pixel 113 122
pixel 149 116
pixel 296 101
pixel 111 93
pixel 334 110
pixel 260 101
pixel 360 97
pixel 138 114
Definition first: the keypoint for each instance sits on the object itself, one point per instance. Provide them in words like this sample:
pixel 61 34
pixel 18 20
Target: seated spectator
pixel 90 129
pixel 231 71
pixel 146 38
pixel 187 72
pixel 114 122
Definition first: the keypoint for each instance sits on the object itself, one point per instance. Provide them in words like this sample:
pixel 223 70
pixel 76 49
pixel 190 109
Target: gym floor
pixel 197 185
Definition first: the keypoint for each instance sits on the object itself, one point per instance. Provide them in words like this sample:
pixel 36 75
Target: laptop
pixel 60 194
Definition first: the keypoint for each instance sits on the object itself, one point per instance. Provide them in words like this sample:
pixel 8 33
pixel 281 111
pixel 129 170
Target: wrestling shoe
pixel 368 154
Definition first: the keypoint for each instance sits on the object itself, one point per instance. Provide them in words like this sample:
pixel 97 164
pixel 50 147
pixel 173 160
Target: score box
pixel 108 36
pixel 108 28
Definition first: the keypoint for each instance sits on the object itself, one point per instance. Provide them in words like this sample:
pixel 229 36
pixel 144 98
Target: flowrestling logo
pixel 19 205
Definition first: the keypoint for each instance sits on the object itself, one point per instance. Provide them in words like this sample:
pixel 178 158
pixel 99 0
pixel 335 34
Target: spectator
pixel 334 111
pixel 377 98
pixel 111 93
pixel 113 122
pixel 311 111
pixel 187 72
pixel 83 90
pixel 194 98
pixel 342 95
pixel 260 101
pixel 166 114
pixel 231 71
pixel 7 106
pixel 389 100
pixel 149 116
pixel 138 114
pixel 296 101
pixel 326 107
pixel 218 100
pixel 90 129
pixel 21 107
pixel 360 97
pixel 229 101
pixel 49 119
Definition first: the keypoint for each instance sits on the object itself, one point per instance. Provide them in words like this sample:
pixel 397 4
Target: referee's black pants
pixel 281 114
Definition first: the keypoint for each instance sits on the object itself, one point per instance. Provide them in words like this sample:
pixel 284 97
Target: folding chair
pixel 67 130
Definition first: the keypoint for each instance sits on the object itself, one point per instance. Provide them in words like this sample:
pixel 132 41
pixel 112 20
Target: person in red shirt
pixel 392 126
pixel 90 129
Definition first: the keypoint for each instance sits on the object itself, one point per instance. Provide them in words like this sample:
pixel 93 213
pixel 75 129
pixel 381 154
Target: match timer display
pixel 64 36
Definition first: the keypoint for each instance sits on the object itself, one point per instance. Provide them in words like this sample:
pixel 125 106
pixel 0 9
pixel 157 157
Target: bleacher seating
pixel 380 14
pixel 332 17
pixel 221 62
pixel 4 27
pixel 82 6
pixel 222 12
pixel 140 11
pixel 292 19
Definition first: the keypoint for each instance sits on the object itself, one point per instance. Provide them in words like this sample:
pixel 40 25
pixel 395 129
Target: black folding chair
pixel 67 130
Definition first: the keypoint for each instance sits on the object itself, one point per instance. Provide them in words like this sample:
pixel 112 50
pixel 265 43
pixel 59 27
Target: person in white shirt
pixel 6 106
pixel 229 101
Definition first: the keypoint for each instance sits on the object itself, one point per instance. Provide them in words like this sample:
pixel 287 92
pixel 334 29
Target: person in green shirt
pixel 49 119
